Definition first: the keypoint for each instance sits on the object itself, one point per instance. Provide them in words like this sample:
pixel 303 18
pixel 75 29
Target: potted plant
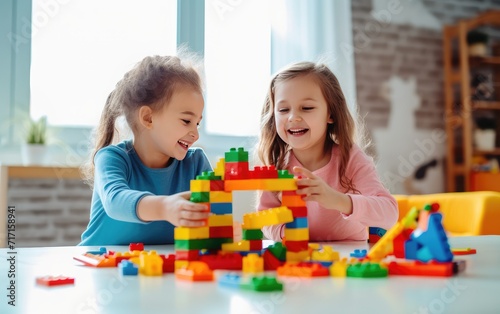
pixel 485 133
pixel 477 43
pixel 34 150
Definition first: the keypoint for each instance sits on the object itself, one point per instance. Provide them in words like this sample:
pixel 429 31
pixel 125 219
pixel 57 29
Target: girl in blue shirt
pixel 138 184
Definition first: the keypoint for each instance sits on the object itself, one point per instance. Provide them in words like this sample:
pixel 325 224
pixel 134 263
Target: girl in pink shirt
pixel 306 128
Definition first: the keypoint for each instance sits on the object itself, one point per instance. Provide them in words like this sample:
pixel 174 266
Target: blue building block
pixel 128 268
pixel 102 250
pixel 230 280
pixel 435 239
pixel 298 222
pixel 221 208
pixel 358 253
pixel 377 231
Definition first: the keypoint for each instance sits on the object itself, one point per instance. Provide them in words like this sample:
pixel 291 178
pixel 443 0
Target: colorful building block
pixel 223 260
pixel 267 217
pixel 253 263
pixel 236 155
pixel 51 281
pixel 128 268
pixel 220 220
pixel 303 270
pixel 136 247
pixel 183 233
pixel 367 270
pixel 195 271
pixel 358 253
pixel 297 234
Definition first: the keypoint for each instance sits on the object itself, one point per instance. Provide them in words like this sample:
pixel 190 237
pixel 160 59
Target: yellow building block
pixel 150 264
pixel 180 264
pixel 267 217
pixel 220 220
pixel 199 186
pixel 292 201
pixel 297 256
pixel 278 185
pixel 327 254
pixel 253 263
pixel 183 233
pixel 300 234
pixel 221 197
pixel 339 268
pixel 241 246
pixel 220 168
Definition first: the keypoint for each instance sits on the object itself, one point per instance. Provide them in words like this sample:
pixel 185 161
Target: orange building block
pixel 195 271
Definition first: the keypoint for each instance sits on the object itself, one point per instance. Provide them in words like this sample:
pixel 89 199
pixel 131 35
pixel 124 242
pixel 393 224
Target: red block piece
pixel 297 246
pixel 255 245
pixel 236 171
pixel 298 211
pixel 417 268
pixel 168 263
pixel 55 281
pixel 220 232
pixel 136 247
pixel 216 185
pixel 270 261
pixel 223 260
pixel 188 255
pixel 264 173
pixel 399 243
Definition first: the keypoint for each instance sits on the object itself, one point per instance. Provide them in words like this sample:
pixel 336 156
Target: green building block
pixel 261 284
pixel 278 250
pixel 200 197
pixel 234 155
pixel 366 270
pixel 284 174
pixel 199 244
pixel 208 175
pixel 252 234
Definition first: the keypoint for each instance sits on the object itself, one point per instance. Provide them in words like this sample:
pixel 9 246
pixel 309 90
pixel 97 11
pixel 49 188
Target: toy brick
pixel 252 234
pixel 284 174
pixel 297 246
pixel 297 223
pixel 297 256
pixel 255 245
pixel 180 264
pixel 183 233
pixel 435 239
pixel 243 185
pixel 267 217
pixel 221 197
pixel 231 280
pixel 264 173
pixel 417 268
pixel 220 220
pixel 263 283
pixel 223 260
pixel 399 243
pixel 339 268
pixel 136 247
pixel 377 231
pixel 298 212
pixel 236 246
pixel 198 244
pixel 221 208
pixel 326 254
pixel 235 155
pixel 292 201
pixel 188 255
pixel 168 263
pixel 195 271
pixel 199 186
pixel 278 184
pixel 151 264
pixel 128 268
pixel 96 260
pixel 200 197
pixel 297 234
pixel 253 263
pixel 464 251
pixel 271 262
pixel 119 256
pixel 366 270
pixel 385 245
pixel 357 253
pixel 221 232
pixel 216 185
pixel 236 171
pixel 219 168
pixel 101 251
pixel 208 175
pixel 303 270
pixel 51 281
pixel 278 250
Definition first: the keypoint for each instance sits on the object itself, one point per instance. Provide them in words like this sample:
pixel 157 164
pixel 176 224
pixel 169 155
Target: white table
pixel 103 290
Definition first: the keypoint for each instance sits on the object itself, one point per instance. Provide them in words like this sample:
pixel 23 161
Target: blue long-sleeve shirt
pixel 121 180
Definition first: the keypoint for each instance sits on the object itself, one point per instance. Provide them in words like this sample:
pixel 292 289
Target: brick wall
pixel 49 212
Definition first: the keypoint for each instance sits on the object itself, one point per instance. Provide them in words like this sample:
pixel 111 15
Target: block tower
pixel 215 189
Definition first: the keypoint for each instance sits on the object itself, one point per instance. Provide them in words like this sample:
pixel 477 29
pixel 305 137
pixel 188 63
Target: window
pixel 237 65
pixel 81 49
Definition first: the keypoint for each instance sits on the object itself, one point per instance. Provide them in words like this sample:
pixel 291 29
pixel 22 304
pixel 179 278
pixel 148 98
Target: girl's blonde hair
pixel 272 150
pixel 151 82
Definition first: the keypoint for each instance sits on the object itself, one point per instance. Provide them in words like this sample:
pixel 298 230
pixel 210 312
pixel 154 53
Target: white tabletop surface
pixel 104 290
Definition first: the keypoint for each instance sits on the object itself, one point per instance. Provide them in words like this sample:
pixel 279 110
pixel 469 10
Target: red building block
pixel 270 261
pixel 223 260
pixel 264 173
pixel 168 263
pixel 216 185
pixel 417 268
pixel 236 171
pixel 399 243
pixel 55 281
pixel 136 247
pixel 187 255
pixel 297 246
pixel 298 211
pixel 220 232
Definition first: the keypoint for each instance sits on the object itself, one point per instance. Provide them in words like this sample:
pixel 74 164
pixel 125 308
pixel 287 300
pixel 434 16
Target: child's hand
pixel 314 188
pixel 183 213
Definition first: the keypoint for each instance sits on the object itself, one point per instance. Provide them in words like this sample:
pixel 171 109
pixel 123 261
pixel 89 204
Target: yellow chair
pixel 464 213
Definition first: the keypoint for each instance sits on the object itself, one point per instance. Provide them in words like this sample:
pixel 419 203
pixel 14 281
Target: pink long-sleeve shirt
pixel 374 207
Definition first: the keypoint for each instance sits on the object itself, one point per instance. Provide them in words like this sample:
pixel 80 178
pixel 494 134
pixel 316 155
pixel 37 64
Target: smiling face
pixel 175 128
pixel 301 114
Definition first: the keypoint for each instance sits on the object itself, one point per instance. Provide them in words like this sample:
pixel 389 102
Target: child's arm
pixel 177 209
pixel 271 200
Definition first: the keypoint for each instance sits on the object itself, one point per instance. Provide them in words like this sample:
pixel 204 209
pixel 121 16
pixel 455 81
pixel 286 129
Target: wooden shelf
pixel 485 61
pixel 487 105
pixel 495 151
